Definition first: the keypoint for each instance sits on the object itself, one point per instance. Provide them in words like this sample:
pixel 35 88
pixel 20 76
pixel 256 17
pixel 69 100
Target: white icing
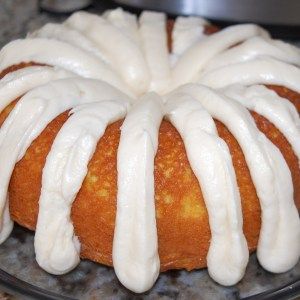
pixel 211 162
pixel 186 32
pixel 135 253
pixel 264 70
pixel 280 229
pixel 154 44
pixel 124 21
pixel 32 114
pixel 122 52
pixel 68 35
pixel 278 247
pixel 197 56
pixel 7 224
pixel 267 103
pixel 17 83
pixel 57 248
pixel 254 47
pixel 60 54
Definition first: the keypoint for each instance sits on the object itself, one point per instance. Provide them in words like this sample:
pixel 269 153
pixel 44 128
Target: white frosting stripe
pixel 73 37
pixel 196 57
pixel 186 32
pixel 57 249
pixel 135 252
pixel 17 83
pixel 264 70
pixel 211 162
pixel 34 111
pixel 123 53
pixel 154 43
pixel 7 224
pixel 280 231
pixel 124 21
pixel 278 247
pixel 60 54
pixel 267 103
pixel 255 47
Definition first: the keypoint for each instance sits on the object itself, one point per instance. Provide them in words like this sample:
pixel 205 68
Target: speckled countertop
pixel 17 17
pixel 90 280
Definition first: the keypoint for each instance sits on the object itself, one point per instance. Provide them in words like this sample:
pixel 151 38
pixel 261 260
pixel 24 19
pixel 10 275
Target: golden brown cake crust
pixel 18 66
pixel 284 92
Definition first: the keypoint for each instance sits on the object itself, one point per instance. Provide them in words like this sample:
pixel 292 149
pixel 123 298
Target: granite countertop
pixel 17 17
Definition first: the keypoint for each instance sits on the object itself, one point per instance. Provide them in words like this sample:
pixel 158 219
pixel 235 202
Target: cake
pixel 149 144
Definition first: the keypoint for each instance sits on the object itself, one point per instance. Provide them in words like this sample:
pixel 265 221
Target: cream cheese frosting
pixel 270 175
pixel 44 51
pixel 187 31
pixel 17 83
pixel 33 113
pixel 255 47
pixel 127 57
pixel 57 248
pixel 124 21
pixel 99 66
pixel 63 33
pixel 211 162
pixel 267 103
pixel 261 70
pixel 135 257
pixel 154 45
pixel 197 56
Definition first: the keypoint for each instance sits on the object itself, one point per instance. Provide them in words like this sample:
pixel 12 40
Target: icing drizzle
pixel 57 249
pixel 70 58
pixel 270 175
pixel 267 103
pixel 33 113
pixel 19 82
pixel 135 258
pixel 262 70
pixel 211 162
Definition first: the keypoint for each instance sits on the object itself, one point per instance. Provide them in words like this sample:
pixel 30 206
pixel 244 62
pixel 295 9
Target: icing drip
pixel 197 56
pixel 135 254
pixel 280 230
pixel 127 58
pixel 154 44
pixel 7 224
pixel 210 160
pixel 263 70
pixel 278 250
pixel 73 37
pixel 68 57
pixel 187 31
pixel 32 114
pixel 267 103
pixel 17 83
pixel 57 249
pixel 125 22
pixel 254 47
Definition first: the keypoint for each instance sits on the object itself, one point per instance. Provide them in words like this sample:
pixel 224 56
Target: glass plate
pixel 21 276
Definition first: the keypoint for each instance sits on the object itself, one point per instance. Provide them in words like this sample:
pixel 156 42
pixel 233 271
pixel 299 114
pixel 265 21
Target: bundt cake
pixel 151 145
